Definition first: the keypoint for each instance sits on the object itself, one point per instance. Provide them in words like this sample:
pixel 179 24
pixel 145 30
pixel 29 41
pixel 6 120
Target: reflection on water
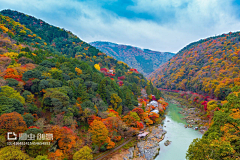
pixel 180 136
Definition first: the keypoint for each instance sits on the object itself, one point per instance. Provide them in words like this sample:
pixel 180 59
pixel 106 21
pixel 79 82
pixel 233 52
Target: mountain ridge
pixel 144 60
pixel 209 66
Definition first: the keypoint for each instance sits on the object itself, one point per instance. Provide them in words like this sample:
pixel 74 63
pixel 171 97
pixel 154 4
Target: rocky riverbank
pixel 147 148
pixel 173 101
pixel 193 119
pixel 192 116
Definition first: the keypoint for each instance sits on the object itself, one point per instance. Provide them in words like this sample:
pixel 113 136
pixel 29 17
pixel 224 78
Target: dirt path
pixel 113 150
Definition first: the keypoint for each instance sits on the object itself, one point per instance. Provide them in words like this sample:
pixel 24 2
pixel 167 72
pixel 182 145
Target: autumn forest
pixel 54 83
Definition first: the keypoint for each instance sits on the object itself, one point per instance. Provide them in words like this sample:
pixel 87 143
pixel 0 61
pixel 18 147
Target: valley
pixel 63 98
pixel 144 60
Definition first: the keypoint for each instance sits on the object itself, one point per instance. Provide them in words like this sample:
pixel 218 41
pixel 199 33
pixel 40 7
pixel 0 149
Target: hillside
pixel 144 60
pixel 51 82
pixel 209 66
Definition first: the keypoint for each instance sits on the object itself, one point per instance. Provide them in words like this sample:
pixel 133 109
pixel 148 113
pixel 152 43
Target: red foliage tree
pixel 120 83
pixel 139 111
pixel 12 73
pixel 153 116
pixel 140 125
pixel 92 118
pixel 121 78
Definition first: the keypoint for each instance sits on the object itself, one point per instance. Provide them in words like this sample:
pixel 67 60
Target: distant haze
pixel 144 60
pixel 163 25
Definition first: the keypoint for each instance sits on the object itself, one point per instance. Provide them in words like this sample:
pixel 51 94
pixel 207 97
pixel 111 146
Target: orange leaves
pixel 12 122
pixel 163 103
pixel 111 144
pixel 237 81
pixel 3 28
pixel 112 113
pixel 112 123
pixel 131 119
pixel 153 116
pixel 58 155
pixel 214 59
pixel 78 70
pixel 148 121
pixel 139 111
pixel 17 72
pixel 43 91
pixel 12 73
pixel 235 113
pixel 140 125
pixel 230 131
pixel 92 118
pixel 117 138
pixel 65 136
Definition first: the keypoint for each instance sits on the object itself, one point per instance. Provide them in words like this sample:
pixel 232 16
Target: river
pixel 180 136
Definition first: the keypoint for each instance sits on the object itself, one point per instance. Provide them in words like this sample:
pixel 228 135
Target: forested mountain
pixel 53 82
pixel 222 140
pixel 207 66
pixel 144 60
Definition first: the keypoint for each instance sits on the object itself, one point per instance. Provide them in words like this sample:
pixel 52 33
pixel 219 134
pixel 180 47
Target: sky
pixel 161 25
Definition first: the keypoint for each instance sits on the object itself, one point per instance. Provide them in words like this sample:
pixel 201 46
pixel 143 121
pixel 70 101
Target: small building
pixel 142 135
pixel 154 103
pixel 155 111
pixel 111 71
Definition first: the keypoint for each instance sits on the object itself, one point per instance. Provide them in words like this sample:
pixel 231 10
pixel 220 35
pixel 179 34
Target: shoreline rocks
pixel 191 116
pixel 149 148
pixel 167 142
pixel 193 119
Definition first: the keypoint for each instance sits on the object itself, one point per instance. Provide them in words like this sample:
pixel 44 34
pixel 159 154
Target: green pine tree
pixel 102 90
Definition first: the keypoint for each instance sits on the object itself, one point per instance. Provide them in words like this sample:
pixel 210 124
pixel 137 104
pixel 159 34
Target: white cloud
pixel 190 20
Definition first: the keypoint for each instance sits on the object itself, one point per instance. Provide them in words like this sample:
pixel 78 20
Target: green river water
pixel 180 136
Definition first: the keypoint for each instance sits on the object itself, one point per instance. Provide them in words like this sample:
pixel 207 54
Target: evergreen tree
pixel 136 90
pixel 151 87
pixel 82 92
pixel 114 86
pixel 148 90
pixel 128 101
pixel 102 90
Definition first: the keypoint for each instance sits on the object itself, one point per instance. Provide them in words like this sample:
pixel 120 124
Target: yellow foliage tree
pixel 115 100
pixel 211 105
pixel 84 153
pixel 97 67
pixel 78 70
pixel 12 55
pixel 13 152
pixel 99 132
